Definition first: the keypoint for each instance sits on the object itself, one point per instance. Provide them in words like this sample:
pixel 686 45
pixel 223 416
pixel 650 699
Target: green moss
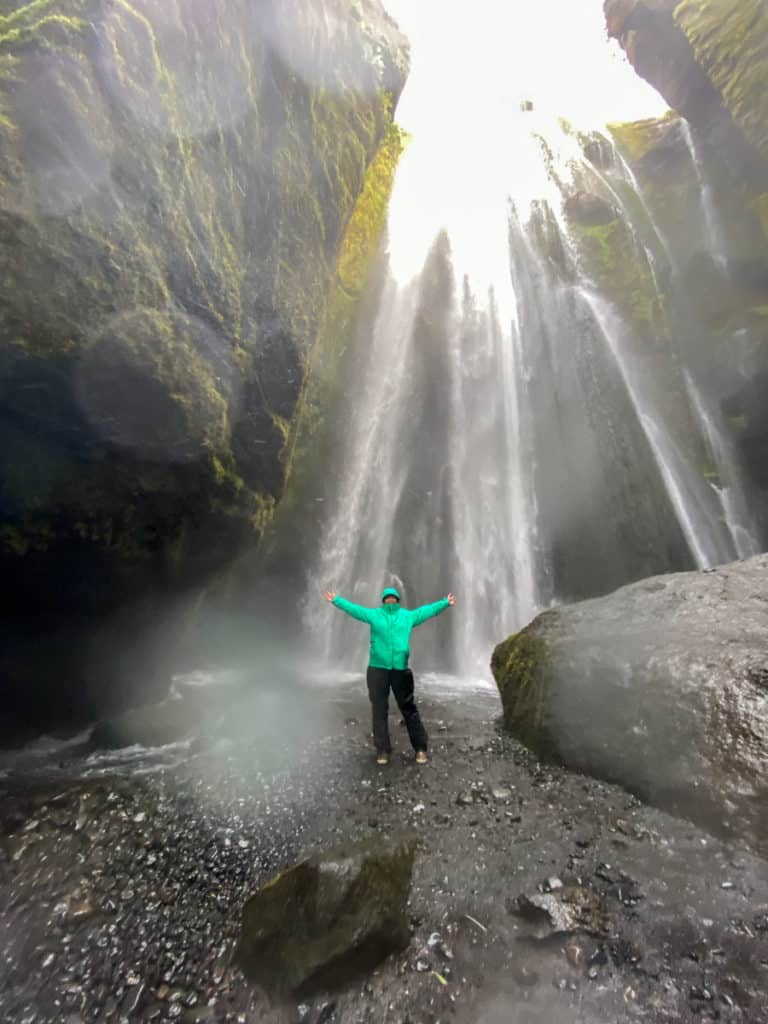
pixel 356 255
pixel 613 259
pixel 225 475
pixel 368 218
pixel 263 513
pixel 637 138
pixel 760 205
pixel 519 668
pixel 21 540
pixel 18 36
pixel 283 427
pixel 730 41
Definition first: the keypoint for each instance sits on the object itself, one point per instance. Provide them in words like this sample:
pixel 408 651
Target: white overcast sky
pixel 471 57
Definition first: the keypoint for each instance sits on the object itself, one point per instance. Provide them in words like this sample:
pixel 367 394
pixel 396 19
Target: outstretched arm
pixel 428 611
pixel 355 610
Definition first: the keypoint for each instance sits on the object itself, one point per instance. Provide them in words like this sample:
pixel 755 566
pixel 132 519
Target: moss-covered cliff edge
pixel 176 182
pixel 707 58
pixel 702 175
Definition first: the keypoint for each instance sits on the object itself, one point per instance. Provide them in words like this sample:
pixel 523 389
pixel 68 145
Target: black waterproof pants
pixel 401 680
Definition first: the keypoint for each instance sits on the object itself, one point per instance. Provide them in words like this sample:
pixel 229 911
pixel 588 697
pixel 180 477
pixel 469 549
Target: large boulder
pixel 177 182
pixel 329 919
pixel 661 687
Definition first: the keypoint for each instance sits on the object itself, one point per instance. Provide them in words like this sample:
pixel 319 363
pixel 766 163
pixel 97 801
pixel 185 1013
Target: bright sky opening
pixel 472 65
pixel 472 58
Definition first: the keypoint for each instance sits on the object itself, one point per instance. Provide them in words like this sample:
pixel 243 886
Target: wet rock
pixel 329 919
pixel 658 686
pixel 574 954
pixel 589 209
pixel 571 909
pixel 501 794
pixel 325 1012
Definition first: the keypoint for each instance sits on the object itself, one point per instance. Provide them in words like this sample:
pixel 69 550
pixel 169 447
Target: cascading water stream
pixel 730 489
pixel 712 222
pixel 634 184
pixel 684 487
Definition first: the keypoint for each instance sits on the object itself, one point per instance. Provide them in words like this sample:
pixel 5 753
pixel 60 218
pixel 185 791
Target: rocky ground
pixel 539 896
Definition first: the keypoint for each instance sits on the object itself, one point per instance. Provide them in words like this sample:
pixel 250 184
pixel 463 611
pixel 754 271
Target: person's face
pixel 390 600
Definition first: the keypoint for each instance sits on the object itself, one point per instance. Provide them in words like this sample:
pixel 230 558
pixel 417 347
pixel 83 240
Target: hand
pixel 329 595
pixel 451 600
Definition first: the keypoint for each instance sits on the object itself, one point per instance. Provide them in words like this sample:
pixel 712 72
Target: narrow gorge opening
pixel 301 301
pixel 534 400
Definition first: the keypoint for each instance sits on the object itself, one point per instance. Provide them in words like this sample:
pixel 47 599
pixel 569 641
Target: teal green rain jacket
pixel 391 627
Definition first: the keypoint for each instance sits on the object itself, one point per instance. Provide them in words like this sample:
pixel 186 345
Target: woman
pixel 391 628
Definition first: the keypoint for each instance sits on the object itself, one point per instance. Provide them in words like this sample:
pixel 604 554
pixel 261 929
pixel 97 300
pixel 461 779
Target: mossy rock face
pixel 659 687
pixel 159 385
pixel 519 666
pixel 589 210
pixel 661 54
pixel 687 203
pixel 312 435
pixel 176 184
pixel 329 920
pixel 747 410
pixel 709 60
pixel 730 41
pixel 612 258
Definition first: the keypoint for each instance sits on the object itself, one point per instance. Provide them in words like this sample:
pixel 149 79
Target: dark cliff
pixel 176 182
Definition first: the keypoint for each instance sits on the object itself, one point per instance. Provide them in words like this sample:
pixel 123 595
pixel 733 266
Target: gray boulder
pixel 661 687
pixel 329 919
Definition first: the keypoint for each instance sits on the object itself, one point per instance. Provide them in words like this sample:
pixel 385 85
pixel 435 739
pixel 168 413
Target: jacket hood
pixel 390 592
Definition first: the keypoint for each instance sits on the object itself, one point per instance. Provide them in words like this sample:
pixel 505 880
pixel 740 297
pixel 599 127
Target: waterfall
pixel 730 489
pixel 508 436
pixel 685 488
pixel 715 235
pixel 433 492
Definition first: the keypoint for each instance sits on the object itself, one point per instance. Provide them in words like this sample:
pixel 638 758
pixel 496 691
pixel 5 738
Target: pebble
pixel 173 891
pixel 574 954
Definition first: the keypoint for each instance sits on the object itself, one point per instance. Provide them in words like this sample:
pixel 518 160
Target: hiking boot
pixel 382 758
pixel 421 757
